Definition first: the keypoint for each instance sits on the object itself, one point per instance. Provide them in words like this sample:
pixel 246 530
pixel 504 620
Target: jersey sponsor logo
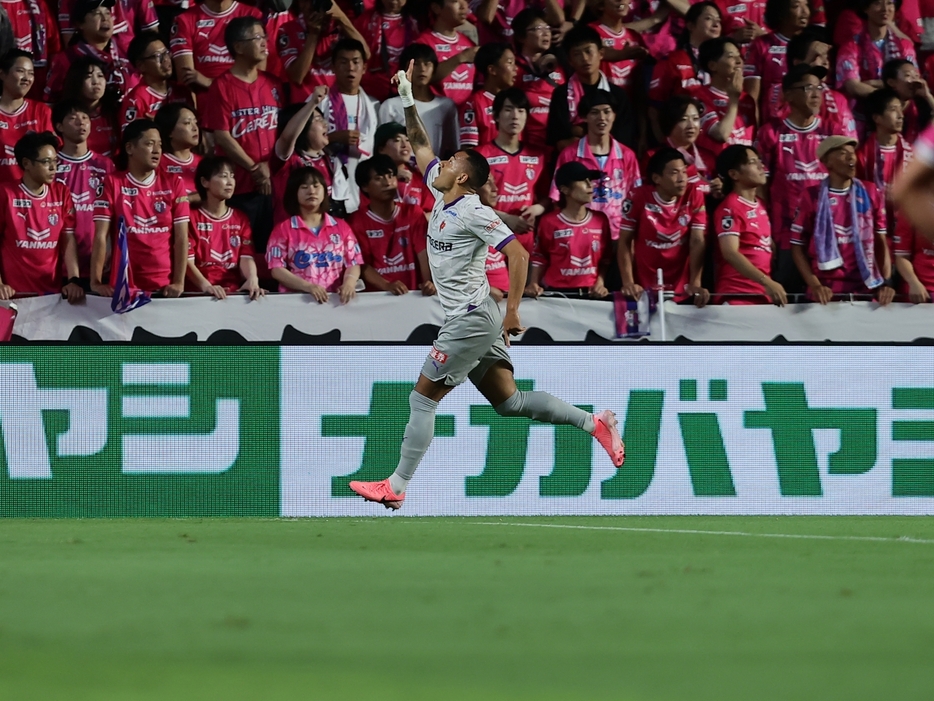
pixel 204 23
pixel 375 233
pixel 204 226
pixel 23 204
pixel 528 160
pixel 443 246
pixel 781 50
pixel 268 121
pixel 493 225
pixel 435 354
pixel 563 233
pixel 129 191
pixel 37 245
pixel 736 9
pixel 498 160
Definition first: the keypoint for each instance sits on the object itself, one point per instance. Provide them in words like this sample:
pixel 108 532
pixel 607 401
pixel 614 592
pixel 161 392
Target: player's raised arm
pixel 418 136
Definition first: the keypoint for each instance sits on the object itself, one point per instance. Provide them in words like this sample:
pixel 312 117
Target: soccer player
pixel 664 226
pixel 537 71
pixel 82 171
pixel 839 231
pixel 199 48
pixel 454 75
pixel 573 247
pixel 313 252
pixel 180 137
pixel 220 246
pixel 153 61
pixel 37 225
pixel 155 208
pixel 18 114
pixel 519 170
pixel 242 110
pixel 472 343
pixel 744 233
pixel 885 153
pixel 391 234
pixel 497 64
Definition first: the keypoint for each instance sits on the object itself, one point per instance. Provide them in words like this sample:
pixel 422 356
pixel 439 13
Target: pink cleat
pixel 380 492
pixel 607 435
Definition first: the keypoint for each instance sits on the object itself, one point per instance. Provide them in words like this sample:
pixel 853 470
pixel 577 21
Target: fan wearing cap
pixel 94 25
pixel 664 225
pixel 18 114
pixel 838 241
pixel 598 150
pixel 573 247
pixel 519 169
pixel 497 64
pixel 392 140
pixel 788 148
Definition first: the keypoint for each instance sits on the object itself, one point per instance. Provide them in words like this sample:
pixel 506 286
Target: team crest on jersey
pixel 529 173
pixel 627 206
pixel 442 226
pixel 684 219
pixel 283 41
pixel 160 206
pixel 93 182
pixel 131 114
pixel 53 219
pixel 595 245
pixel 335 239
pixel 726 223
pixel 234 241
pixel 468 117
pixel 403 241
pixel 618 174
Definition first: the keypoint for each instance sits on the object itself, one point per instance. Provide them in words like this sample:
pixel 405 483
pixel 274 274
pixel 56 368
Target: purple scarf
pixel 825 238
pixel 339 122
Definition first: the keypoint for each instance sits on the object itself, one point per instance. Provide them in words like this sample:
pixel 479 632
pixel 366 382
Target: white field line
pixel 742 534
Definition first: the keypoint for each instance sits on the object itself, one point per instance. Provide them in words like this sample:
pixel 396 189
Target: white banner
pixel 709 430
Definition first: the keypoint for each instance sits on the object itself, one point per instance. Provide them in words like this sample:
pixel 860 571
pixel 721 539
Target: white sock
pixel 397 483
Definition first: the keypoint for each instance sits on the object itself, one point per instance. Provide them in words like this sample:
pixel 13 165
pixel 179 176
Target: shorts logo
pixel 435 354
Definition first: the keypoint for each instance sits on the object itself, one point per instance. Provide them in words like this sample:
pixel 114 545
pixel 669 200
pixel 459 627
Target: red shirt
pixel 129 16
pixel 572 253
pixel 699 172
pixel 250 112
pixel 392 247
pixel 662 235
pixel 847 277
pixel 280 176
pixel 880 165
pixel 538 88
pixel 387 36
pixel 497 270
pixel 102 138
pixel 620 73
pixel 715 105
pixel 736 11
pixel 676 75
pixel 34 228
pixel 289 43
pixel 185 170
pixel 476 119
pixel 151 211
pixel 217 245
pixel 31 116
pixel 459 84
pixel 84 178
pixel 917 249
pixel 416 192
pixel 750 222
pixel 30 25
pixel 142 102
pixel 519 178
pixel 199 33
pixel 121 76
pixel 766 60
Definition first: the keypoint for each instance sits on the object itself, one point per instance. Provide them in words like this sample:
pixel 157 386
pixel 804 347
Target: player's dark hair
pixel 478 170
pixel 581 35
pixel 515 95
pixel 673 111
pixel 29 145
pixel 712 50
pixel 418 53
pixel 304 176
pixel 136 51
pixel 348 46
pixel 732 157
pixel 11 57
pixel 167 119
pixel 522 21
pixel 661 158
pixel 207 169
pixel 692 16
pixel 878 101
pixel 63 108
pixel 238 29
pixel 800 44
pixel 286 115
pixel 131 134
pixel 596 98
pixel 861 6
pixel 380 164
pixel 891 68
pixel 488 55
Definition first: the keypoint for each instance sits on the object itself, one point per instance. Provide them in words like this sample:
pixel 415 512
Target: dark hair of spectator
pixel 524 20
pixel 348 46
pixel 239 29
pixel 9 59
pixel 891 68
pixel 380 164
pixel 732 157
pixel 776 13
pixel 595 98
pixel 488 55
pixel 418 53
pixel 63 108
pixel 673 111
pixel 478 170
pixel 581 35
pixel 28 147
pixel 305 175
pixel 136 51
pixel 515 95
pixel 661 158
pixel 800 44
pixel 131 134
pixel 207 169
pixel 712 50
pixel 167 119
pixel 692 16
pixel 73 86
pixel 82 8
pixel 862 5
pixel 878 102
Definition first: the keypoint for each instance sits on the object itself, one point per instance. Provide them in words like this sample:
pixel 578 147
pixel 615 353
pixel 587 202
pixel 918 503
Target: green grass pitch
pixel 452 609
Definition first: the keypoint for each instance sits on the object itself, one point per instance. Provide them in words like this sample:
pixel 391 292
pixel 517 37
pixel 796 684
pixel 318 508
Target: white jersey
pixel 459 236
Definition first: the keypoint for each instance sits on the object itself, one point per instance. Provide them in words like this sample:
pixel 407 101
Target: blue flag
pixel 126 297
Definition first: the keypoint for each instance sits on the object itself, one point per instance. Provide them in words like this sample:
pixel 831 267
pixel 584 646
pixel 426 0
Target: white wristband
pixel 405 90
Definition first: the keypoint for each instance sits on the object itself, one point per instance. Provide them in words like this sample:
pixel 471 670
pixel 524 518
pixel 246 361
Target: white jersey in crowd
pixel 459 235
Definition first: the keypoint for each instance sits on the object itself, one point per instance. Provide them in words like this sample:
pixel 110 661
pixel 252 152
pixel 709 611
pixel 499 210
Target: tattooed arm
pixel 418 136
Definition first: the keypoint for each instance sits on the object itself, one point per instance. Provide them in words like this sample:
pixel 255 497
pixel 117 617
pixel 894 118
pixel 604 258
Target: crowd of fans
pixel 745 149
